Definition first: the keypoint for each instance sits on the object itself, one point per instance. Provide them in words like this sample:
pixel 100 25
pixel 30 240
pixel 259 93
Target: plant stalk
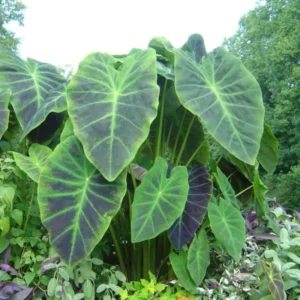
pixel 245 190
pixel 177 137
pixel 194 154
pixel 118 250
pixel 30 205
pixel 161 119
pixel 185 140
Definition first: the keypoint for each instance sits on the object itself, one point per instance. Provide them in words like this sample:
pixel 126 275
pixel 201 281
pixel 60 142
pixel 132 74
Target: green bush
pixel 285 188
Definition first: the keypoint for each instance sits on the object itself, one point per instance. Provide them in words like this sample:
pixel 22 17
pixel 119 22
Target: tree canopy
pixel 10 10
pixel 268 42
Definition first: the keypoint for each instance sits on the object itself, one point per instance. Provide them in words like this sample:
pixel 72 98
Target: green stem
pixel 118 249
pixel 194 154
pixel 169 134
pixel 132 177
pixel 187 134
pixel 129 204
pixel 30 205
pixel 161 119
pixel 177 137
pixel 146 259
pixel 243 191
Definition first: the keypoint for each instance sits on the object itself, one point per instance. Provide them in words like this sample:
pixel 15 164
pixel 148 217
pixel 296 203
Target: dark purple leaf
pixel 274 279
pixel 8 269
pixel 184 228
pixel 48 261
pixel 251 216
pixel 22 294
pixel 297 213
pixel 8 289
pixel 213 285
pixel 249 226
pixel 264 236
pixel 6 255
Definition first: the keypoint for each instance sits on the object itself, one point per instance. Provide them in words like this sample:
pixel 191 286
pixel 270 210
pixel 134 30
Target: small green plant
pixel 89 278
pixel 279 267
pixel 147 290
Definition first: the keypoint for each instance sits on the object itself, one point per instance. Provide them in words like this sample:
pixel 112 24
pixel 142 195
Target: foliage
pixel 285 187
pixel 267 42
pixel 279 265
pixel 152 290
pixel 10 11
pixel 117 118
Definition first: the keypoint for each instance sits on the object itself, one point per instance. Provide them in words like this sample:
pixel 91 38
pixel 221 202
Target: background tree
pixel 10 10
pixel 268 42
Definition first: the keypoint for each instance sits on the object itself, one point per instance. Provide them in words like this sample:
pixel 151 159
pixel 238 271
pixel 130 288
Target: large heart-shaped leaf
pixel 187 132
pixel 228 226
pixel 162 47
pixel 198 257
pixel 77 203
pixel 32 165
pixel 195 47
pixel 55 102
pixel 4 111
pixel 275 282
pixel 158 200
pixel 31 82
pixel 268 151
pixel 200 189
pixel 227 98
pixel 112 109
pixel 179 265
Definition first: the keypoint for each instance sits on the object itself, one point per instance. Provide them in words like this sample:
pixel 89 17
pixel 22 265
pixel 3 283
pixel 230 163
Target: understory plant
pixel 160 147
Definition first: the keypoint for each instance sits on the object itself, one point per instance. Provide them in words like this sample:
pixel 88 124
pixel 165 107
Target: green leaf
pixel 171 101
pixel 179 265
pixel 275 282
pixel 195 47
pixel 29 276
pixel 31 83
pixel 88 288
pixel 268 151
pixel 197 146
pixel 4 111
pixel 32 165
pixel 228 226
pixel 67 131
pixel 260 193
pixel 101 288
pixel 162 47
pixel 112 109
pixel 198 257
pixel 226 188
pixel 158 201
pixel 226 97
pixel 51 287
pixel 4 243
pixel 17 215
pixel 63 274
pixel 76 202
pixel 120 276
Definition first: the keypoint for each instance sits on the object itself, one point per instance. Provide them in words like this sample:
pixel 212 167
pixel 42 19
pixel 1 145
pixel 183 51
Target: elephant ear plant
pixel 163 110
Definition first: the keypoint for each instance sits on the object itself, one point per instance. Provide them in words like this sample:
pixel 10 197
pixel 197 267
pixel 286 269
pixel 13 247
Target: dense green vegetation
pixel 10 11
pixel 139 177
pixel 268 43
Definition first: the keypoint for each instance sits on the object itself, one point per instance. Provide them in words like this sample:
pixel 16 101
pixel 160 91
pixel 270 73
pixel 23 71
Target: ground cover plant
pixel 160 149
